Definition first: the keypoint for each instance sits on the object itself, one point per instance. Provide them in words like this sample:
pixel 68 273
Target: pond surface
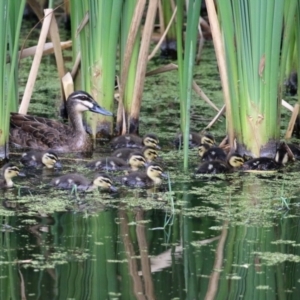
pixel 231 237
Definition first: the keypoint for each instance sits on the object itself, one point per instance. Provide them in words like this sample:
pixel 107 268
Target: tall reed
pixel 252 43
pixel 168 48
pixel 129 51
pixel 98 41
pixel 185 64
pixel 11 15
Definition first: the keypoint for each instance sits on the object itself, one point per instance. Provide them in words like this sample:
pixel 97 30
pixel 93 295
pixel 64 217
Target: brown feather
pixel 43 134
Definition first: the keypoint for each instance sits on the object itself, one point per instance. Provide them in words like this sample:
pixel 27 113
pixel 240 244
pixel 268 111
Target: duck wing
pixel 37 132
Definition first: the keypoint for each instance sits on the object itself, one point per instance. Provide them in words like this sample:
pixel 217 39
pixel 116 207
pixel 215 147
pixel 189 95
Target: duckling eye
pixel 238 161
pixel 141 159
pixel 107 181
pixel 201 150
pixel 208 141
pixel 159 170
pixel 152 141
pixel 52 157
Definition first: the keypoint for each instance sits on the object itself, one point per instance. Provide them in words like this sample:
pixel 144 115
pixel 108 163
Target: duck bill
pixel 164 175
pixel 100 110
pixel 57 165
pixel 22 174
pixel 113 188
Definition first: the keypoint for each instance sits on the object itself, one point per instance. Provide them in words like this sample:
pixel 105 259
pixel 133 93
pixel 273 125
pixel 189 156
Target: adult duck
pixel 43 134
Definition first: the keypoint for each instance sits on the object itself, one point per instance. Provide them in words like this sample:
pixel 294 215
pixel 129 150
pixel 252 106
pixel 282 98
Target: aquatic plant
pixel 95 33
pixel 10 17
pixel 250 61
pixel 185 65
pixel 168 48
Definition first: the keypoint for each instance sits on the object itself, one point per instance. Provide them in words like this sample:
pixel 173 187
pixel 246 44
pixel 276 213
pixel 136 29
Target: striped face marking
pixel 150 154
pixel 207 140
pixel 236 161
pixel 201 150
pixel 11 172
pixel 150 142
pixel 84 106
pixel 49 159
pixel 102 181
pixel 154 171
pixel 137 160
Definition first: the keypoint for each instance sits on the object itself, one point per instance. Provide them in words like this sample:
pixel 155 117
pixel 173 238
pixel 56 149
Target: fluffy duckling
pixel 208 153
pixel 150 178
pixel 135 161
pixel 261 164
pixel 36 159
pixel 267 163
pixel 218 166
pixel 9 171
pixel 68 181
pixel 195 140
pixel 134 141
pixel 149 153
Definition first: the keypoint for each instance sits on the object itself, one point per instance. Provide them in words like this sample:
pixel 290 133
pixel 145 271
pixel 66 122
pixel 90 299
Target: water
pixel 234 237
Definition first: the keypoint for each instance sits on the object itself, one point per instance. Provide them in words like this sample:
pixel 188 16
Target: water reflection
pixel 242 242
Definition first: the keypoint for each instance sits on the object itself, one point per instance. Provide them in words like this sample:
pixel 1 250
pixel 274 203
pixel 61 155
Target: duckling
pixel 295 150
pixel 134 141
pixel 150 178
pixel 8 172
pixel 208 153
pixel 261 164
pixel 149 153
pixel 68 181
pixel 267 163
pixel 135 161
pixel 218 166
pixel 43 134
pixel 195 140
pixel 48 159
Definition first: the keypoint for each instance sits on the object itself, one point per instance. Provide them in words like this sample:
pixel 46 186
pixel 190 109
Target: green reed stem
pixel 185 66
pixel 11 16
